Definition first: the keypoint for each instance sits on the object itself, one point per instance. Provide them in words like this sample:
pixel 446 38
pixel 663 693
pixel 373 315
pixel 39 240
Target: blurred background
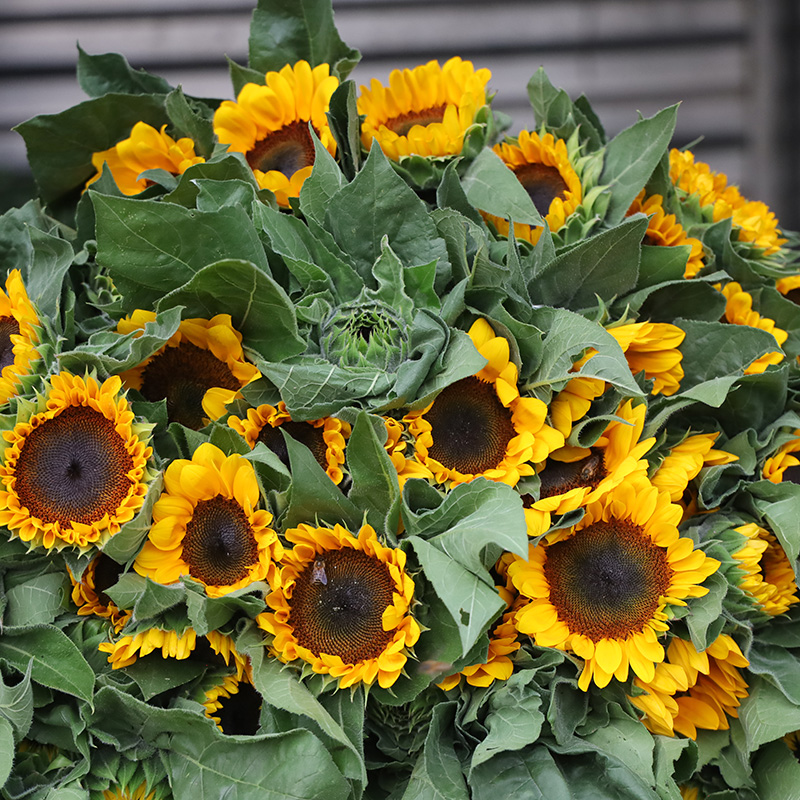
pixel 734 65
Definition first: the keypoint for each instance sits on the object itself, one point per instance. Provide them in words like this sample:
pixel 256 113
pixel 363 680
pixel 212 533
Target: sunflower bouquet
pixel 357 448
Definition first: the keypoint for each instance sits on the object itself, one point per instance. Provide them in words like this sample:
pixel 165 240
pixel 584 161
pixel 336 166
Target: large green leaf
pixel 60 146
pixel 6 749
pixel 52 258
pixel 777 773
pixel 286 31
pixel 260 309
pixel 55 661
pixel 631 156
pixel 110 72
pixel 605 266
pixel 37 601
pixel 16 704
pixel 151 247
pixel 765 713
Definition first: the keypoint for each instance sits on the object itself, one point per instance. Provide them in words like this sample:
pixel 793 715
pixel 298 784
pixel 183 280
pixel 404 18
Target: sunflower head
pixel 207 524
pixel 544 167
pixel 425 111
pixel 19 335
pixel 784 465
pixel 76 469
pixel 129 647
pixel 234 705
pixel 198 371
pixel 480 425
pixel 269 124
pixel 89 593
pixel 602 590
pixel 343 606
pixel 326 437
pixel 146 148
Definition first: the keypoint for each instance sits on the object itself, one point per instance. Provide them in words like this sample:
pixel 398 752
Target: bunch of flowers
pixel 357 448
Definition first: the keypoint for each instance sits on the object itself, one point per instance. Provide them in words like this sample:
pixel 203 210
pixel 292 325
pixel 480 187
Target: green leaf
pixel 260 309
pixel 56 661
pixel 52 258
pixel 375 487
pixel 314 496
pixel 661 264
pixel 514 720
pixel 568 335
pixel 706 611
pixel 156 675
pixel 286 31
pixel 377 204
pixel 193 119
pixel 630 158
pixel 229 170
pixel 151 248
pixel 551 107
pixel 60 146
pixel 111 73
pixel 16 704
pixel 324 182
pixel 605 265
pixel 492 187
pixel 668 301
pixel 765 715
pixel 472 603
pixel 125 544
pixel 37 601
pixel 345 125
pixel 779 666
pixel 777 773
pixel 144 596
pixel 531 773
pixel 6 749
pixel 437 772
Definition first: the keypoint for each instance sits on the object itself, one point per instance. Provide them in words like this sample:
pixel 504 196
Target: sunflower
pixel 684 461
pixel 206 524
pixel 343 606
pixel 424 111
pixel 573 402
pixel 140 792
pixel 793 743
pixel 544 168
pixel 199 370
pixel 76 470
pixel 88 593
pixel 571 477
pixel 146 148
pixel 396 447
pixel 19 335
pixel 739 311
pixel 693 689
pixel 768 576
pixel 663 230
pixel 129 648
pixel 652 348
pixel 325 438
pixel 269 123
pixel 234 705
pixel 601 590
pixel 690 793
pixel 789 287
pixel 503 640
pixel 784 465
pixel 753 221
pixel 480 426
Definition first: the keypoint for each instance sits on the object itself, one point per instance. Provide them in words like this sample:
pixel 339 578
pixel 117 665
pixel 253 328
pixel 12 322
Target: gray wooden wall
pixel 732 64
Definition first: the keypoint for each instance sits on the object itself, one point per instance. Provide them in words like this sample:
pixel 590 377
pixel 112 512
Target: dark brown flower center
pixel 219 545
pixel 559 477
pixel 606 580
pixel 793 295
pixel 305 433
pixel 543 183
pixel 182 375
pixel 337 605
pixel 239 714
pixel 105 573
pixel 471 428
pixel 403 123
pixel 73 468
pixel 8 328
pixel 286 150
pixel 791 474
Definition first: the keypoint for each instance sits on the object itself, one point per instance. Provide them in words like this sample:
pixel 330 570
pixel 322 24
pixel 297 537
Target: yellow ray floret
pixel 739 311
pixel 146 148
pixel 269 124
pixel 424 111
pixel 481 426
pixel 207 524
pixel 342 606
pixel 542 165
pixel 77 469
pixel 602 591
pixel 19 335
